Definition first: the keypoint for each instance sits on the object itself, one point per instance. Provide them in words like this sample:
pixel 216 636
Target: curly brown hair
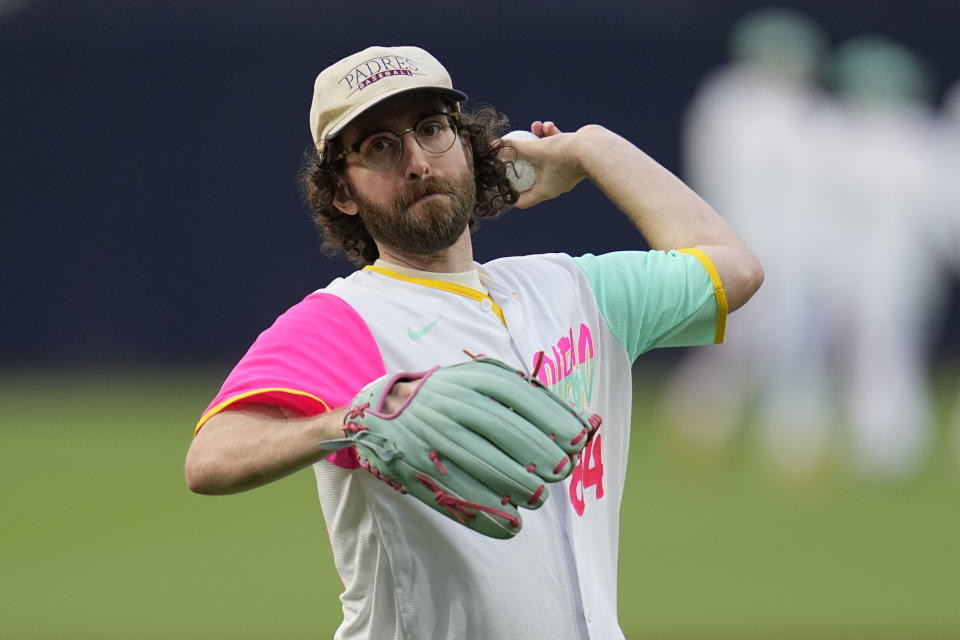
pixel 347 234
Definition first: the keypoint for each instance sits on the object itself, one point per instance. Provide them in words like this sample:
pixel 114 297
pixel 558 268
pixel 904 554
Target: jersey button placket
pixel 486 305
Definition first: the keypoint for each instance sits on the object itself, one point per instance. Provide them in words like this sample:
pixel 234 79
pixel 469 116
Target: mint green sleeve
pixel 653 299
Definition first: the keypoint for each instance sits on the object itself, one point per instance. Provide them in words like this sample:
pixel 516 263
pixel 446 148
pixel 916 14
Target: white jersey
pixel 408 571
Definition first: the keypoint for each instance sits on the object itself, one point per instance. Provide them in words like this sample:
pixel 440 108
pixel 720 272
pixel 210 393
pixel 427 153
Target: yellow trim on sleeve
pixel 717 290
pixel 233 399
pixel 443 285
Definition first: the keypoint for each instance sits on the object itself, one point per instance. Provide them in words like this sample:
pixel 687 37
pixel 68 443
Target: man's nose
pixel 415 161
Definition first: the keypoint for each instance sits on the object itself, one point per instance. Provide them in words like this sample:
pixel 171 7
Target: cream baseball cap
pixel 349 87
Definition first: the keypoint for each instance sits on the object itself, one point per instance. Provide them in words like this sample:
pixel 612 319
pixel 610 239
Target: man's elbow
pixel 200 475
pixel 196 478
pixel 755 276
pixel 749 280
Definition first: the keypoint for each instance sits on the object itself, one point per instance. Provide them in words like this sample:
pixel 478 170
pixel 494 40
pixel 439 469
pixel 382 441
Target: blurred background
pixel 799 481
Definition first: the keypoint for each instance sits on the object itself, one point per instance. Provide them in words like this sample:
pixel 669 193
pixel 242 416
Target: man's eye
pixel 379 145
pixel 430 128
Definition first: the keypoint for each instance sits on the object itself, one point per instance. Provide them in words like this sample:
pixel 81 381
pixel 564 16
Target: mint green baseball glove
pixel 474 441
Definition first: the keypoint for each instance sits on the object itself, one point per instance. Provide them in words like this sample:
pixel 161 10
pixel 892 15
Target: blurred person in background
pixel 888 283
pixel 949 136
pixel 751 149
pixel 949 161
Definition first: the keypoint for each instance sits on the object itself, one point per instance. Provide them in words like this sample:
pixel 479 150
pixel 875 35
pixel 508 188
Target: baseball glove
pixel 474 441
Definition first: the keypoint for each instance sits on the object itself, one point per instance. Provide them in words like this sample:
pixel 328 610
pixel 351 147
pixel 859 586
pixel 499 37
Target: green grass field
pixel 100 539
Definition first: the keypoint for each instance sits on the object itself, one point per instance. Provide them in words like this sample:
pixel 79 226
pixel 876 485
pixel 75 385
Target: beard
pixel 422 228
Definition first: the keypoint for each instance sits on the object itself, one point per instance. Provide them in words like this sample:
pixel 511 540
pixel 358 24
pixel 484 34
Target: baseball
pixel 523 174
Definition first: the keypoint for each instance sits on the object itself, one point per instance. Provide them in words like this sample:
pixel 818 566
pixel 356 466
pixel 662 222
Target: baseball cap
pixel 349 87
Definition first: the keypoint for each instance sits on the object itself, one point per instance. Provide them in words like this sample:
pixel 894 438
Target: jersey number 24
pixel 589 473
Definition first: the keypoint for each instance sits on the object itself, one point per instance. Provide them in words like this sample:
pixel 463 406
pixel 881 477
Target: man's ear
pixel 342 199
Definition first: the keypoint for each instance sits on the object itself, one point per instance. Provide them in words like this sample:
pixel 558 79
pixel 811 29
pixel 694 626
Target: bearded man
pixel 398 179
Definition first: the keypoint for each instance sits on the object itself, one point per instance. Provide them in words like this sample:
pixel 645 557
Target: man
pixel 398 177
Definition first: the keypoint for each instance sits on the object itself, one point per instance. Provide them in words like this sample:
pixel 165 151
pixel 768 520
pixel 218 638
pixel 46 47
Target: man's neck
pixel 456 258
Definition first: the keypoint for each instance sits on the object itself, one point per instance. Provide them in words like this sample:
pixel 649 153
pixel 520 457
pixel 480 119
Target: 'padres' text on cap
pixel 349 87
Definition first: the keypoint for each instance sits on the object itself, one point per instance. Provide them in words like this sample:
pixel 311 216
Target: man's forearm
pixel 241 449
pixel 667 212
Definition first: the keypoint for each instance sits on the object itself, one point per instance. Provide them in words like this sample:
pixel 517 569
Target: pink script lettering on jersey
pixel 567 367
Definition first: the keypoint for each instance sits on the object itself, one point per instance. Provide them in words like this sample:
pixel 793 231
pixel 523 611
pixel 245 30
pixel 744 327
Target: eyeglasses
pixel 381 150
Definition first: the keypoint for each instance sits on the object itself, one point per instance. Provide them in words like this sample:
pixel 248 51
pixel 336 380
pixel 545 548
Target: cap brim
pixel 350 116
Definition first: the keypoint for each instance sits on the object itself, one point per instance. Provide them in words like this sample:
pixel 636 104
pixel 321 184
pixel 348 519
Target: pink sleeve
pixel 316 357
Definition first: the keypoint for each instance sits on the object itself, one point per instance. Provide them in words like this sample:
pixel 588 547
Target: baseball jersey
pixel 408 571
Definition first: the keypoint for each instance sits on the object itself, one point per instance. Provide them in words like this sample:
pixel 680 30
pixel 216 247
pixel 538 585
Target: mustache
pixel 423 189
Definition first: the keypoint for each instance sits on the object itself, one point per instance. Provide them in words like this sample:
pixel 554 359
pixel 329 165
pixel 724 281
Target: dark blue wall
pixel 148 150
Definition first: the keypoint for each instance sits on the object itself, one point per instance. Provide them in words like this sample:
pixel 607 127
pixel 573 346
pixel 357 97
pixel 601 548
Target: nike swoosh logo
pixel 416 335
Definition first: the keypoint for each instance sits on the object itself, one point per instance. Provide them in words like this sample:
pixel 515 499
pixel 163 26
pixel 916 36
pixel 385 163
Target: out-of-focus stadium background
pixel 800 481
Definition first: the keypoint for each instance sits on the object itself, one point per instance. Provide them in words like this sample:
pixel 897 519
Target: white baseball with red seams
pixel 522 175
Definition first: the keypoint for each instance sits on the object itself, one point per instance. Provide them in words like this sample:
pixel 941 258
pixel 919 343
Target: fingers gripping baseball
pixel 543 129
pixel 552 154
pixel 474 441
